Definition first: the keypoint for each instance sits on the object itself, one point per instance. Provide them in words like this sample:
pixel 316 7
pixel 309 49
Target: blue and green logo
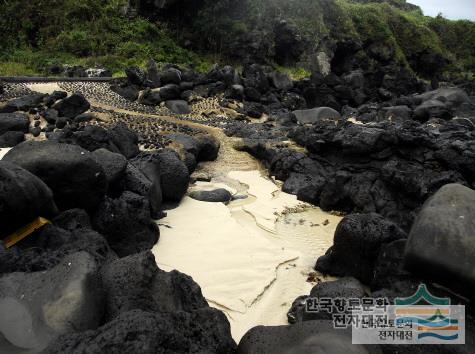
pixel 429 315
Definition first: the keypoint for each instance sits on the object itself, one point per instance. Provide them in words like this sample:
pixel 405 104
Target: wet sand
pixel 253 257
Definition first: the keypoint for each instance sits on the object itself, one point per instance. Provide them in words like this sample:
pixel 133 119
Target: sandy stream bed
pixel 253 257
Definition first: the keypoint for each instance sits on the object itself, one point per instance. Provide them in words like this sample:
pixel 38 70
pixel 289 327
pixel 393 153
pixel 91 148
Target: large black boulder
pixel 219 195
pixel 170 92
pixel 126 223
pixel 178 106
pixel 170 76
pixel 23 197
pixel 91 138
pixel 432 109
pixel 114 165
pixel 441 243
pixel 347 288
pixel 150 97
pixel 136 76
pixel 202 331
pixel 452 95
pixel 356 245
pixel 208 147
pixel 46 248
pixel 309 337
pixel 389 272
pixel 148 165
pixel 127 91
pixel 174 175
pixel 35 308
pixel 11 139
pixel 136 283
pixel 18 122
pixel 188 148
pixel 314 115
pixel 125 140
pixel 71 172
pixel 24 103
pixel 138 182
pixel 72 106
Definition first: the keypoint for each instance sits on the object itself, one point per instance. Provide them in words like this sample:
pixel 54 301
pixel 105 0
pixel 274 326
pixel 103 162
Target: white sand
pixel 47 87
pixel 249 262
pixel 3 152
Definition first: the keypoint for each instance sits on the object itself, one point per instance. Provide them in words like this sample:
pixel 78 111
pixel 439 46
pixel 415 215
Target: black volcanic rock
pixel 136 283
pixel 114 165
pixel 47 247
pixel 357 242
pixel 174 175
pixel 23 198
pixel 11 139
pixel 441 241
pixel 304 337
pixel 202 331
pixel 24 103
pixel 347 288
pixel 71 172
pixel 17 122
pixel 126 223
pixel 72 106
pixel 42 305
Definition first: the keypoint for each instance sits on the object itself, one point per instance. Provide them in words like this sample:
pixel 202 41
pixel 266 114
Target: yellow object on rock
pixel 25 231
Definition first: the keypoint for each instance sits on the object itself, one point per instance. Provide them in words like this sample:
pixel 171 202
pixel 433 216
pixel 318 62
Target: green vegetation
pixel 39 33
pixel 459 39
pixel 295 73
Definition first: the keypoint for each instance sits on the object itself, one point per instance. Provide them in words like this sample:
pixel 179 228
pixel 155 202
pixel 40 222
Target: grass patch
pixel 10 68
pixel 295 73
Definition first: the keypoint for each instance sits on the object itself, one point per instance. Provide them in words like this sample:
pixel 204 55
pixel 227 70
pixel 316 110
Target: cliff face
pixel 318 35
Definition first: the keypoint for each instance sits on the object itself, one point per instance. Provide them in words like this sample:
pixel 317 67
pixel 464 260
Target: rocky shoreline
pixel 103 160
